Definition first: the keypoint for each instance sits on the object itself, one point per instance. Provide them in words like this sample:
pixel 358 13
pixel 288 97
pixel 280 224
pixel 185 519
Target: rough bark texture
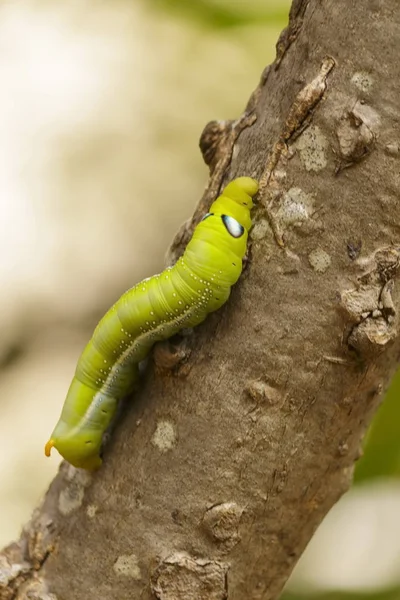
pixel 224 466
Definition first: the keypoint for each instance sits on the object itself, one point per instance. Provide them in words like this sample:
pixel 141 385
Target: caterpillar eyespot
pixel 233 227
pixel 153 310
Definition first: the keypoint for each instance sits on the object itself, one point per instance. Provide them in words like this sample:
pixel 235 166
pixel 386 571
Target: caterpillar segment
pixel 155 309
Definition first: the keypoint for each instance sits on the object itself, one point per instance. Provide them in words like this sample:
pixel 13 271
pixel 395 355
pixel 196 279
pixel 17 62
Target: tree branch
pixel 224 466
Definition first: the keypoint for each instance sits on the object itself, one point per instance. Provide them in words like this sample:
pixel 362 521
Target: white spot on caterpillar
pixel 363 81
pixel 312 145
pixel 164 437
pixel 127 565
pixel 319 260
pixel 91 510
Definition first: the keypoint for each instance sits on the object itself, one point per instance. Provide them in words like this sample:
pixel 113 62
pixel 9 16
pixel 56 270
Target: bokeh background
pixel 101 109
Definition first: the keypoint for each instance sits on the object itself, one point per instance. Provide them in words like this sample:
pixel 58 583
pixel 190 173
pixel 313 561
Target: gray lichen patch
pixel 363 81
pixel 79 476
pixel 312 146
pixel 182 577
pixel 164 437
pixel 319 260
pixel 260 230
pixel 295 208
pixel 127 565
pixel 71 497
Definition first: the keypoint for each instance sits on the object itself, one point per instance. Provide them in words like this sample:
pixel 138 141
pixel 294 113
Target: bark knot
pixel 183 577
pixel 170 355
pixel 370 304
pixel 356 134
pixel 221 522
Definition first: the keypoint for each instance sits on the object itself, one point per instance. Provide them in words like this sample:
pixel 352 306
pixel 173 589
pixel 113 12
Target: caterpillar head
pixel 242 190
pixel 236 200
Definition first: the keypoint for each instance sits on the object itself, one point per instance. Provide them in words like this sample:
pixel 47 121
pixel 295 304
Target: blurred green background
pixel 103 107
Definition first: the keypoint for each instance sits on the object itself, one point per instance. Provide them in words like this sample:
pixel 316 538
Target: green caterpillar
pixel 153 310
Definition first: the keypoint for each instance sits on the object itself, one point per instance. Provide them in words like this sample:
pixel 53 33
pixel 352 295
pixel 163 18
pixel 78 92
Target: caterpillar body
pixel 153 310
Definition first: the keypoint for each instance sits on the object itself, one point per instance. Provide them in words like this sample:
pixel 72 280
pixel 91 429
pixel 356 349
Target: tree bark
pixel 225 464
